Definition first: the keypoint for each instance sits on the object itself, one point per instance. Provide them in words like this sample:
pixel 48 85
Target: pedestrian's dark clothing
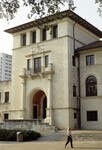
pixel 69 138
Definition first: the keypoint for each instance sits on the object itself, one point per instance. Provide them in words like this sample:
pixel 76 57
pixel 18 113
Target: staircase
pixel 36 125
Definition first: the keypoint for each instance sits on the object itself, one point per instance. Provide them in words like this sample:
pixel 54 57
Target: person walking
pixel 69 138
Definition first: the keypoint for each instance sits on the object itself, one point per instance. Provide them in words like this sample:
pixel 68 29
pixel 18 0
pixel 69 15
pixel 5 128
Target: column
pixel 49 117
pixel 23 97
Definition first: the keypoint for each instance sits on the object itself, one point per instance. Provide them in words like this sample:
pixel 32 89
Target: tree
pixel 100 6
pixel 37 8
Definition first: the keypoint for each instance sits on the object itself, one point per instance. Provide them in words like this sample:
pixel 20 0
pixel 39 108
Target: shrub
pixel 11 135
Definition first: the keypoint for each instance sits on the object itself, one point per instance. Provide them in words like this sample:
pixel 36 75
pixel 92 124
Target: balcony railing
pixel 37 71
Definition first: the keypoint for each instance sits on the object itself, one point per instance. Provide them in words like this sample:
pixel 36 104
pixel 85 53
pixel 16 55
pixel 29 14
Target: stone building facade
pixel 49 72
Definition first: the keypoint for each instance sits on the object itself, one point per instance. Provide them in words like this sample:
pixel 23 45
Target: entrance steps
pixel 36 125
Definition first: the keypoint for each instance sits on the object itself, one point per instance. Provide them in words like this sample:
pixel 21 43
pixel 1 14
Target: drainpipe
pixel 78 71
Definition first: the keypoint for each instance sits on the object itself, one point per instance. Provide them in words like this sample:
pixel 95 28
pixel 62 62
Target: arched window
pixel 91 86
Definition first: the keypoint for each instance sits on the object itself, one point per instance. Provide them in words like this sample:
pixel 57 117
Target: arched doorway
pixel 39 105
pixel 44 107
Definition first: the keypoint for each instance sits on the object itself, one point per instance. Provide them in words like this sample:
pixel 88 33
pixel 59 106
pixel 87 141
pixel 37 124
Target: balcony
pixel 37 72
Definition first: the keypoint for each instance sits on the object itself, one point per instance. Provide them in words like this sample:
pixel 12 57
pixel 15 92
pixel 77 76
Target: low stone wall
pixel 35 125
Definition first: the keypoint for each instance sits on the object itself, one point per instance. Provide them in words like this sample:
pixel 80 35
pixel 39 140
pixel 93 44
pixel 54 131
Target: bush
pixel 11 135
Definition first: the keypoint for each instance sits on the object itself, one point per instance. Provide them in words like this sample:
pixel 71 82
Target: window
pixel 54 31
pixel 91 86
pixel 74 90
pixel 92 116
pixel 23 39
pixel 28 64
pixel 75 115
pixel 37 64
pixel 6 116
pixel 73 60
pixel 90 60
pixel 33 37
pixel 44 34
pixel 46 60
pixel 6 97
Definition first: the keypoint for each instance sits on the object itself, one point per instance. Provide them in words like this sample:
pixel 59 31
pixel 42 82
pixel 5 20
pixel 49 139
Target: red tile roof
pixel 93 45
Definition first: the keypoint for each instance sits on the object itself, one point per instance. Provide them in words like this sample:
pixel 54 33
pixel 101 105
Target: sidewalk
pixel 54 145
pixel 89 140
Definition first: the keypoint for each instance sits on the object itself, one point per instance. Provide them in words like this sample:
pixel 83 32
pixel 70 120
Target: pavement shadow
pixel 90 148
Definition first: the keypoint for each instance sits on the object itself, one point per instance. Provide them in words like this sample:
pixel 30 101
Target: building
pixel 91 85
pixel 5 66
pixel 56 73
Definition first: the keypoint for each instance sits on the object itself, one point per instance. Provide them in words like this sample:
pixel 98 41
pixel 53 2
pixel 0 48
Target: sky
pixel 87 9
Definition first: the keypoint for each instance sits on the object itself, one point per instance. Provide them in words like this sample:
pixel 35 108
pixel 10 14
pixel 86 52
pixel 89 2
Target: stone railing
pixel 36 71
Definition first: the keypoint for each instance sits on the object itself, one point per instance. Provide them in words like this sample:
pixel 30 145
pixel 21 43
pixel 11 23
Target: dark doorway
pixel 44 107
pixel 35 111
pixel 39 105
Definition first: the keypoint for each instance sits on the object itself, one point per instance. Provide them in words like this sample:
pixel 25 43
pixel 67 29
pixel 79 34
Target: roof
pixel 68 13
pixel 96 44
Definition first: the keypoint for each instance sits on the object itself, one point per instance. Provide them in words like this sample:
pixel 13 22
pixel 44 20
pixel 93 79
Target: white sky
pixel 87 9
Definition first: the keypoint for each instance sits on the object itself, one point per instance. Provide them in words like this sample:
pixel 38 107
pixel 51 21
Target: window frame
pixel 92 115
pixel 23 39
pixel 90 60
pixel 6 116
pixel 91 86
pixel 55 31
pixel 44 34
pixel 33 37
pixel 7 97
pixel 37 64
pixel 46 60
pixel 28 64
pixel 74 91
pixel 73 61
pixel 75 115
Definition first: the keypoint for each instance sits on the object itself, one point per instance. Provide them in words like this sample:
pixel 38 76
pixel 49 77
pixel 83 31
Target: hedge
pixel 11 135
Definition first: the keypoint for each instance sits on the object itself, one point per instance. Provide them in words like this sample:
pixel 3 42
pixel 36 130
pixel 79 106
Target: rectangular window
pixel 92 116
pixel 73 60
pixel 6 116
pixel 75 115
pixel 44 34
pixel 74 90
pixel 46 61
pixel 33 37
pixel 37 64
pixel 28 64
pixel 90 60
pixel 6 97
pixel 55 31
pixel 23 39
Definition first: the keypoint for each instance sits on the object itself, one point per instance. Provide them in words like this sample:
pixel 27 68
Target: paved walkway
pixel 53 145
pixel 56 141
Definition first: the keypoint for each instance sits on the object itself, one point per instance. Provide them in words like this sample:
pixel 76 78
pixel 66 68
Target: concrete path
pixel 53 145
pixel 56 141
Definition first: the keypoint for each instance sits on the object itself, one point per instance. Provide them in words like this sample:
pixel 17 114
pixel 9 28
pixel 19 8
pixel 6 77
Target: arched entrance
pixel 39 105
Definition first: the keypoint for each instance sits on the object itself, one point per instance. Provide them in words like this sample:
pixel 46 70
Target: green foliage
pixel 11 135
pixel 99 2
pixel 8 8
pixel 37 8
